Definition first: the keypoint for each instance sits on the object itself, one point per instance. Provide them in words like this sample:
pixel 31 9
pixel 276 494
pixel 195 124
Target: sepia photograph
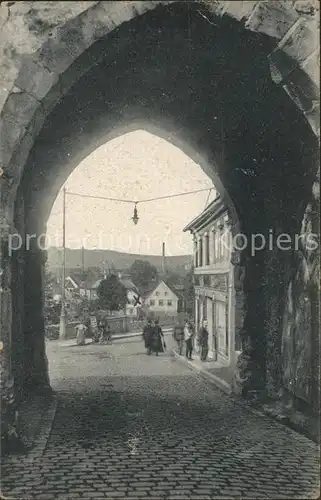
pixel 160 250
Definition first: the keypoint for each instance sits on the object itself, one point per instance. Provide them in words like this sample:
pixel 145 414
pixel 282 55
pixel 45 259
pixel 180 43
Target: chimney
pixel 163 258
pixel 83 262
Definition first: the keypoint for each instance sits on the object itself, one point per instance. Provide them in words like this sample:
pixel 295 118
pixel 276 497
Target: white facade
pixel 214 280
pixel 162 300
pixel 132 308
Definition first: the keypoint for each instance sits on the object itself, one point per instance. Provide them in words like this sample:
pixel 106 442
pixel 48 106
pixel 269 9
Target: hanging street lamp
pixel 135 217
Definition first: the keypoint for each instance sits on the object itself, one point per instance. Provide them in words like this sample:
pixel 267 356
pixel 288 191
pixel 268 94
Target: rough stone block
pixel 272 18
pixel 36 123
pixel 20 107
pixel 311 67
pixel 10 135
pixel 124 12
pixel 52 98
pixel 34 79
pixel 301 41
pixel 20 155
pixel 55 56
pixel 240 10
pixel 313 117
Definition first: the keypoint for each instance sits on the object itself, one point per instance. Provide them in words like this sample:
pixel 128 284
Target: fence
pixel 118 324
pixel 52 331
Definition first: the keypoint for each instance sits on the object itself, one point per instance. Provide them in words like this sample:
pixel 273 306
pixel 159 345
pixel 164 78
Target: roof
pixel 151 290
pixel 74 278
pixel 214 209
pixel 96 284
pixel 128 284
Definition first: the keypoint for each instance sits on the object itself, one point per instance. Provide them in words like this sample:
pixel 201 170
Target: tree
pixel 49 279
pixel 173 278
pixel 112 294
pixel 143 273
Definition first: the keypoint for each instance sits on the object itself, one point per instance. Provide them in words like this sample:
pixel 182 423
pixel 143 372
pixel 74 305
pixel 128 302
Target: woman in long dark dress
pixel 157 344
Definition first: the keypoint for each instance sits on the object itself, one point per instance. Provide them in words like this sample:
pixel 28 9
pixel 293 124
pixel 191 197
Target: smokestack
pixel 83 260
pixel 163 260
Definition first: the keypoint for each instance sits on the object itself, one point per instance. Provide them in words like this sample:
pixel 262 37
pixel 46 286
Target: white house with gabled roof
pixel 161 300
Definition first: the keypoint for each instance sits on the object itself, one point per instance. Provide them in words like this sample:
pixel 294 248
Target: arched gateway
pixel 234 85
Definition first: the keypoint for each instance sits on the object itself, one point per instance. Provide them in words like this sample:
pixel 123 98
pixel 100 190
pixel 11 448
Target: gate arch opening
pixel 208 84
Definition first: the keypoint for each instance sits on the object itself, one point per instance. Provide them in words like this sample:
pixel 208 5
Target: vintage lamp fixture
pixel 135 217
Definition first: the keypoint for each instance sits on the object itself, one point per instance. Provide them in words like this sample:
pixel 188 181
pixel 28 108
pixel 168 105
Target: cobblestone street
pixel 130 425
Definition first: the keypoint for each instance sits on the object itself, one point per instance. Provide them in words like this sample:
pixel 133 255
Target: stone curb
pixel 44 433
pixel 40 441
pixel 221 384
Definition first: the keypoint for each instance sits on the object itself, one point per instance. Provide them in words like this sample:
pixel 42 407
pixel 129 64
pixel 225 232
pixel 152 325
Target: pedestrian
pixel 81 331
pixel 179 337
pixel 188 337
pixel 203 340
pixel 103 331
pixel 108 333
pixel 147 336
pixel 157 342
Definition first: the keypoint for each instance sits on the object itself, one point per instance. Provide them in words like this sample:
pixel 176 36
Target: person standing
pixel 179 337
pixel 147 336
pixel 188 337
pixel 108 333
pixel 81 331
pixel 102 330
pixel 203 341
pixel 157 345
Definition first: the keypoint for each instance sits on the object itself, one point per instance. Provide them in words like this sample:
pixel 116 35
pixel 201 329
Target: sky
pixel 135 166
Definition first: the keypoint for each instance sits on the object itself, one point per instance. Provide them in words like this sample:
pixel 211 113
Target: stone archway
pixel 50 120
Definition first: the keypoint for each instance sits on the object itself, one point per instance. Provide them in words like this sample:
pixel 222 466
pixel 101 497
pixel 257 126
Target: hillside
pixel 119 260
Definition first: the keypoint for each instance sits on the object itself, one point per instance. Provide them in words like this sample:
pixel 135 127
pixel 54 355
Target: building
pixel 161 301
pixel 213 278
pixel 133 296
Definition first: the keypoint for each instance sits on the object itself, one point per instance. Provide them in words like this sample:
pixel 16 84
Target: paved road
pixel 133 426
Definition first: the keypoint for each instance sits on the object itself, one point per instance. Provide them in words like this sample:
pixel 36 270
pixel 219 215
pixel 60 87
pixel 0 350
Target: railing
pixel 118 324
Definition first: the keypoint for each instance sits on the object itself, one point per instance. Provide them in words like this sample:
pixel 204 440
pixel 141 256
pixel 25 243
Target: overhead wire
pixel 124 200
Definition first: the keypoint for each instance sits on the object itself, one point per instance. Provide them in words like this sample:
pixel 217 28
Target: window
pixel 200 255
pixel 216 246
pixel 157 294
pixel 169 302
pixel 160 302
pixel 152 302
pixel 166 293
pixel 222 243
pixel 207 250
pixel 207 281
pixel 195 253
